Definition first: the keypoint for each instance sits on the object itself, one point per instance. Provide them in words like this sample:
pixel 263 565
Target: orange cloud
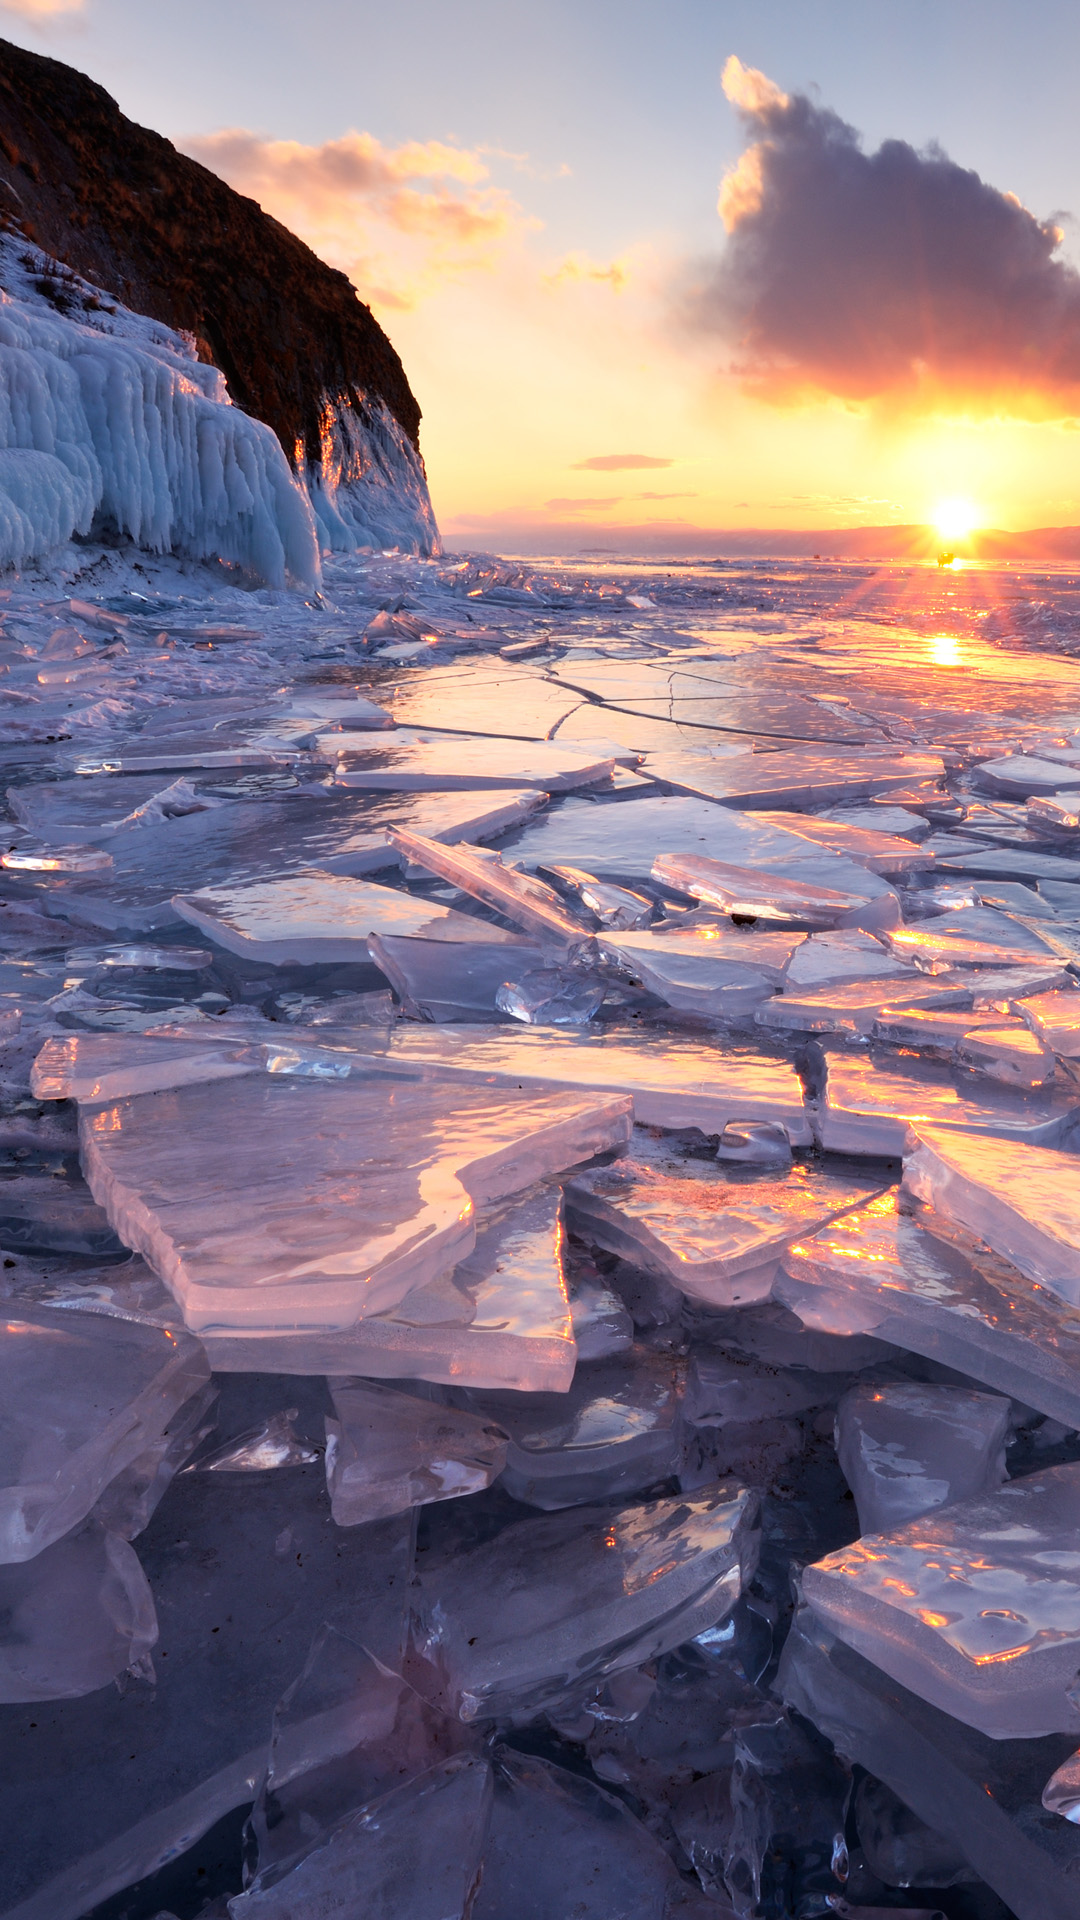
pixel 400 221
pixel 619 462
pixel 895 276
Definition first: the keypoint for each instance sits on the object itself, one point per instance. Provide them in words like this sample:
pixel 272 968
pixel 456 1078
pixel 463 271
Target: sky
pixel 659 270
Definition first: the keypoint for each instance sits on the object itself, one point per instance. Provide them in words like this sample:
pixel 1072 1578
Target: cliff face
pixel 299 350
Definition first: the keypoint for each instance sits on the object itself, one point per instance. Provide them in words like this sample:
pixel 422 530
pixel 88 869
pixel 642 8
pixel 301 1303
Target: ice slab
pixel 1024 1200
pixel 96 1066
pixel 754 893
pixel 867 1108
pixel 495 698
pixel 1008 1053
pixel 614 907
pixel 1022 774
pixel 617 1431
pixel 832 959
pixel 251 1235
pixel 857 1006
pixel 714 1234
pixel 420 764
pixel 691 973
pixel 501 1319
pixel 77 1615
pixel 445 980
pixel 974 1607
pixel 682 1082
pixel 1055 1019
pixel 82 1396
pixel 864 842
pixel 415 1852
pixel 792 778
pixel 907 1448
pixel 982 1796
pixel 316 918
pixel 388 1451
pixel 550 1604
pixel 974 937
pixel 525 901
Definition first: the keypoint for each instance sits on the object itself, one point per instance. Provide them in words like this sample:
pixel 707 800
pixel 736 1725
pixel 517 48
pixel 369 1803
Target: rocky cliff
pixel 129 213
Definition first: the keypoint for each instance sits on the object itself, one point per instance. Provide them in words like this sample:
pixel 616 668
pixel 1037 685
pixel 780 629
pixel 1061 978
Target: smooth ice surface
pixel 616 1432
pixel 321 917
pixel 982 1796
pixel 869 1108
pixel 755 894
pixel 81 1397
pixel 687 1083
pixel 974 1606
pixel 417 763
pixel 881 851
pixel 251 1235
pixel 502 1318
pixel 930 1288
pixel 96 1066
pixel 713 1233
pixel 831 959
pixel 388 1451
pixel 793 778
pixel 77 1615
pixel 907 1448
pixel 552 1603
pixel 1024 1200
pixel 690 973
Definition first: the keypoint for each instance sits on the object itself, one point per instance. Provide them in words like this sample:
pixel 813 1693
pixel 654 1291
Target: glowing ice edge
pixel 110 424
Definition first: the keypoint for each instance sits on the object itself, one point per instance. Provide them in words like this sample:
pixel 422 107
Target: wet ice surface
pixel 505 1156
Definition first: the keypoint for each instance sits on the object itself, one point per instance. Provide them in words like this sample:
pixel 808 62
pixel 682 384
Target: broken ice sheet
pixel 679 1081
pixel 1008 1053
pixel 973 1606
pixel 867 1108
pixel 615 907
pixel 691 972
pixel 462 980
pixel 755 893
pixel 253 1236
pixel 93 1067
pixel 795 777
pixel 1024 1200
pixel 982 1796
pixel 320 918
pixel 501 1319
pixel 418 763
pixel 527 1618
pixel 1055 1019
pixel 831 959
pixel 83 1395
pixel 615 1432
pixel 527 902
pixel 974 937
pixel 907 1448
pixel 551 997
pixel 387 1451
pixel 879 850
pixel 715 1234
pixel 77 1615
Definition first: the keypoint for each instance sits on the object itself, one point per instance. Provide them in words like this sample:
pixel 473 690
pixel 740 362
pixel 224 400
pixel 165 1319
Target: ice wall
pixel 369 488
pixel 118 428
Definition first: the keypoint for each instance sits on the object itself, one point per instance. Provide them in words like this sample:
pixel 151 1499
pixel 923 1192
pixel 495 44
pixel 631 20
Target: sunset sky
pixel 528 197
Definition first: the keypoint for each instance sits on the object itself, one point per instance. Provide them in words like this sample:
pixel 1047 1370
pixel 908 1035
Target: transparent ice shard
pixel 462 980
pixel 549 1604
pixel 129 1502
pixel 714 1234
pixel 866 1108
pixel 312 918
pixel 262 1449
pixel 900 1849
pixel 252 1236
pixel 1024 1200
pixel 411 763
pixel 926 1286
pixel 981 1796
pixel 690 974
pixel 1008 1053
pixel 1022 774
pixel 413 1854
pixel 387 1451
pixel 867 843
pixel 1055 1019
pixel 794 778
pixel 855 1007
pixel 1061 1793
pixel 551 997
pixel 937 1031
pixel 973 1607
pixel 1055 812
pixel 77 1615
pixel 755 1143
pixel 95 1066
pixel 83 1395
pixel 974 937
pixel 602 1326
pixel 907 1448
pixel 679 1082
pixel 616 908
pixel 755 893
pixel 525 901
pixel 831 959
pixel 616 1432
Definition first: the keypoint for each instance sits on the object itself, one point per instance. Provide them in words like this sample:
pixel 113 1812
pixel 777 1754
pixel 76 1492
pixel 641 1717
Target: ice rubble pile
pixel 457 1290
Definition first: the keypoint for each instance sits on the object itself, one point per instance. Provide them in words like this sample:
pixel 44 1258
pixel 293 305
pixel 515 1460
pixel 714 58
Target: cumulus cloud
pixel 618 463
pixel 895 276
pixel 399 220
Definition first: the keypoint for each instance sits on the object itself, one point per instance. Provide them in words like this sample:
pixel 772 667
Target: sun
pixel 955 518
